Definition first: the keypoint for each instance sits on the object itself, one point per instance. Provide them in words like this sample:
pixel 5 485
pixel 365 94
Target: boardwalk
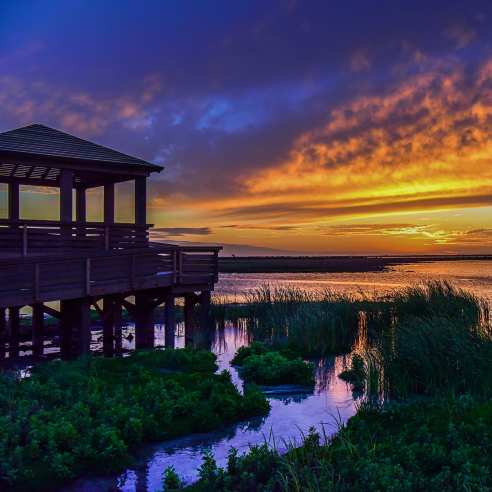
pixel 104 265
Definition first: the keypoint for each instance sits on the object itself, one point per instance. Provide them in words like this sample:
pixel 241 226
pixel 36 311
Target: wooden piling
pixel 84 326
pixel 144 321
pixel 37 330
pixel 14 326
pixel 169 320
pixel 3 332
pixel 189 305
pixel 108 325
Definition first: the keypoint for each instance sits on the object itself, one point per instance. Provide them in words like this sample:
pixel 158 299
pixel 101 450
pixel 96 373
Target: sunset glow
pixel 381 147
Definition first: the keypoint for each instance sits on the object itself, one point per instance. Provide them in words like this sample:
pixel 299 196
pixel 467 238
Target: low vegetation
pixel 261 364
pixel 70 418
pixel 435 445
pixel 423 355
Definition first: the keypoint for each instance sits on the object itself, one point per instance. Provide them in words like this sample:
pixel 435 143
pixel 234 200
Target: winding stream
pixel 291 414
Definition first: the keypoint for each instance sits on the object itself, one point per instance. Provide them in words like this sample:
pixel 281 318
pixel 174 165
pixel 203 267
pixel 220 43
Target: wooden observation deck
pixel 105 265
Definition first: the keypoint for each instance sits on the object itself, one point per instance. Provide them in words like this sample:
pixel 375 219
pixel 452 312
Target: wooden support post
pixel 66 185
pixel 118 338
pixel 80 205
pixel 141 200
pixel 108 214
pixel 37 330
pixel 84 326
pixel 3 332
pixel 108 325
pixel 144 321
pixel 75 327
pixel 66 329
pixel 14 326
pixel 170 320
pixel 205 315
pixel 66 207
pixel 14 201
pixel 109 203
pixel 205 334
pixel 189 305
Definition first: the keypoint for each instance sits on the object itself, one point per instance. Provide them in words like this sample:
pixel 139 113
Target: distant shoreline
pixel 329 264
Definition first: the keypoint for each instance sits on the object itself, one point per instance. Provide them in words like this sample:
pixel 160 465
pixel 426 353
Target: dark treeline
pixel 326 264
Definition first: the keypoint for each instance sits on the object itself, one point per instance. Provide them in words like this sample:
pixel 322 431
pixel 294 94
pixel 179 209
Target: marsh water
pixel 329 404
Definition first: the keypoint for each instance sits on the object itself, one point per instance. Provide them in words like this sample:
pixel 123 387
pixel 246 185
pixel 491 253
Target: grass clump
pixel 356 375
pixel 309 323
pixel 256 348
pixel 260 364
pixel 273 368
pixel 87 415
pixel 440 342
pixel 435 445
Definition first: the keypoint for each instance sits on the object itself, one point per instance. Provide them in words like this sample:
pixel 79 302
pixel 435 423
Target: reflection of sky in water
pixel 330 403
pixel 473 275
pixel 290 415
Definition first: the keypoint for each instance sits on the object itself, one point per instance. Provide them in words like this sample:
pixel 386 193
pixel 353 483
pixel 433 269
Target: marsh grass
pixel 433 444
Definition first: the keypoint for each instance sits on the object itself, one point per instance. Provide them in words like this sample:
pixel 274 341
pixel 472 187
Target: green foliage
pixel 256 348
pixel 69 418
pixel 170 480
pixel 356 375
pixel 437 445
pixel 272 368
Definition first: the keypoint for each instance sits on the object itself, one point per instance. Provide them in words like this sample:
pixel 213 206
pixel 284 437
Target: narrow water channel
pixel 291 415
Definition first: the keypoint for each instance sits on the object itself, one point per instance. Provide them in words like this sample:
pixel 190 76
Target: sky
pixel 311 127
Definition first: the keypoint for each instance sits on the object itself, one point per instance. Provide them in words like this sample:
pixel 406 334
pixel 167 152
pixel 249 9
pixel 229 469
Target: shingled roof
pixel 44 142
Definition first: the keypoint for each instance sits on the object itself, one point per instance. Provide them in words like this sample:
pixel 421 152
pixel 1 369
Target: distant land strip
pixel 328 264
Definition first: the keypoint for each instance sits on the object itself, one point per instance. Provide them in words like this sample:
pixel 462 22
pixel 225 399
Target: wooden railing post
pixel 106 238
pixel 36 282
pixel 24 240
pixel 175 265
pixel 132 271
pixel 87 276
pixel 180 265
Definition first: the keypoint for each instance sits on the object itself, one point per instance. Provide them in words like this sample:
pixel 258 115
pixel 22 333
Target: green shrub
pixel 256 348
pixel 272 368
pixel 70 418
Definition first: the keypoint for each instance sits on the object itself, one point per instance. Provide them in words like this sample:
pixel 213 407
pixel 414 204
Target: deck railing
pixel 25 281
pixel 30 237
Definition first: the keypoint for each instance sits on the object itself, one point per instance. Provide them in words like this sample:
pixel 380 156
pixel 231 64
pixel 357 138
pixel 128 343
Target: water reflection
pixel 291 414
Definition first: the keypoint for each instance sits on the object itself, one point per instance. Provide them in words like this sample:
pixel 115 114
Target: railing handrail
pixel 58 223
pixel 151 249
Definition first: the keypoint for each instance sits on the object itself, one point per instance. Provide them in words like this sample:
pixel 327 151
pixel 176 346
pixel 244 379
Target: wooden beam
pixel 131 308
pixel 109 203
pixel 141 200
pixel 14 201
pixel 51 312
pixel 66 186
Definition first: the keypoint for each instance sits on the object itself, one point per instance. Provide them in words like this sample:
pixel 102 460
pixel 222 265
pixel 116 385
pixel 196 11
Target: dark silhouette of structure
pixel 81 263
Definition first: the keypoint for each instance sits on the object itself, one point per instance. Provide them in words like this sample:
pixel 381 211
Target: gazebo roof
pixel 37 152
